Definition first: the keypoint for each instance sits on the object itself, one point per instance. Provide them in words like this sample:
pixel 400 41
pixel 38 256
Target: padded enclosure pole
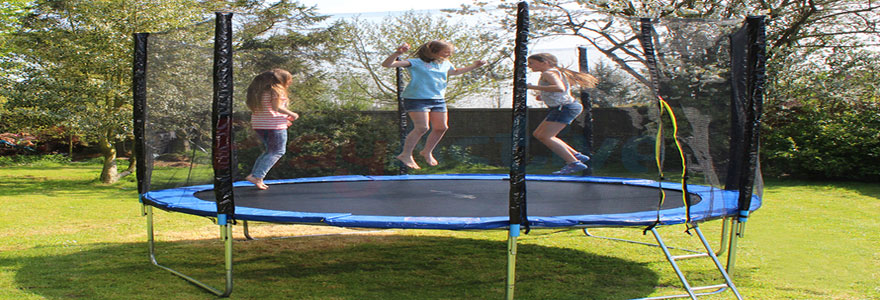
pixel 517 203
pixel 139 94
pixel 222 142
pixel 520 120
pixel 755 61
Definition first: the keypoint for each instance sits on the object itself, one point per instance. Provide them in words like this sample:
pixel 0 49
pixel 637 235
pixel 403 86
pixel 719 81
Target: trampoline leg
pixel 734 238
pixel 511 261
pixel 225 235
pixel 247 233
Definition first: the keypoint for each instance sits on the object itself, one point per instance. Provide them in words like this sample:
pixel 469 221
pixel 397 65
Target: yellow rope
pixel 665 106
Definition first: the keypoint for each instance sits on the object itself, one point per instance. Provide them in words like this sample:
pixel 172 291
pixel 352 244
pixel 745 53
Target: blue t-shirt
pixel 428 79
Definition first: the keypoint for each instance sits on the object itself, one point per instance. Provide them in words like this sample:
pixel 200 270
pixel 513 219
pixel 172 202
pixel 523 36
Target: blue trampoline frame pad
pixel 714 203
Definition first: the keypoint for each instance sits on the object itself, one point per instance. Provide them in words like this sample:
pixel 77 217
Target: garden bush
pixel 823 140
pixel 331 142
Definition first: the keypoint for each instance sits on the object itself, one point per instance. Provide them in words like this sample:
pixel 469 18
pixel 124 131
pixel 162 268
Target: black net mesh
pixel 178 101
pixel 330 138
pixel 692 74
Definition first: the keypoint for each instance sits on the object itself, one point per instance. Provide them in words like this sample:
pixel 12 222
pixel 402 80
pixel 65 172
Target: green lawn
pixel 63 235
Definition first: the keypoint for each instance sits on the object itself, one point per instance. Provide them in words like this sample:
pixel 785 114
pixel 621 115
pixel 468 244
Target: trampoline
pixel 461 201
pixel 713 149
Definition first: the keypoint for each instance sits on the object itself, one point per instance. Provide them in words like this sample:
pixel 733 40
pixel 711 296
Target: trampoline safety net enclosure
pixel 671 129
pixel 701 68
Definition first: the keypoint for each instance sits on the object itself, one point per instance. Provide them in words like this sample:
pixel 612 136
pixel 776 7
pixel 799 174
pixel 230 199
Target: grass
pixel 63 235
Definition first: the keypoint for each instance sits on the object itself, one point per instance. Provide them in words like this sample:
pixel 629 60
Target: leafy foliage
pixel 330 142
pixel 369 43
pixel 821 94
pixel 75 61
pixel 33 160
pixel 826 123
pixel 10 11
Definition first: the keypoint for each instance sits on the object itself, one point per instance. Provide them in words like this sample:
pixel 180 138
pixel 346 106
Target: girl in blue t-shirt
pixel 424 95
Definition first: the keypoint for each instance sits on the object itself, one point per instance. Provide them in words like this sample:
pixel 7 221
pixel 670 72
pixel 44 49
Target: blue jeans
pixel 274 145
pixel 565 113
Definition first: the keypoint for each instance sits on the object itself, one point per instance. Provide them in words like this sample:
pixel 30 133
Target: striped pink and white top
pixel 267 118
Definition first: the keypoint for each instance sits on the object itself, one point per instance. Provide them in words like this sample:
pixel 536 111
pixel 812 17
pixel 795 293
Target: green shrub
pixel 332 142
pixel 34 160
pixel 823 140
pixel 824 123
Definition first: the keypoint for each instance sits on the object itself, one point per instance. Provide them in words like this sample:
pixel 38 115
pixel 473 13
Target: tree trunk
pixel 109 172
pixel 132 162
pixel 132 165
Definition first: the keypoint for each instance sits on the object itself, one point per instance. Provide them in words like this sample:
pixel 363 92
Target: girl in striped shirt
pixel 267 100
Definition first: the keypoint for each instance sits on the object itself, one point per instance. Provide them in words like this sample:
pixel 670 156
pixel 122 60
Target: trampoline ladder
pixel 225 235
pixel 691 291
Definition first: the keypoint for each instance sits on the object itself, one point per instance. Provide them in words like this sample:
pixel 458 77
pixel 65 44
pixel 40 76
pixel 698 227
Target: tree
pixel 363 79
pixel 828 124
pixel 78 65
pixel 10 11
pixel 805 39
pixel 795 28
pixel 77 55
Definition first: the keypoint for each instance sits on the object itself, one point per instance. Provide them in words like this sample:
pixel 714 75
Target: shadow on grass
pixel 335 267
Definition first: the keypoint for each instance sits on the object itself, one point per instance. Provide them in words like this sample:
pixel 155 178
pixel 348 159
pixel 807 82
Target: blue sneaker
pixel 571 168
pixel 581 157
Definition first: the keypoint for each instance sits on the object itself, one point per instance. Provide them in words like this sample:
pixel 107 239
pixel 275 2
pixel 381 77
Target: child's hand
pixel 479 63
pixel 292 117
pixel 402 48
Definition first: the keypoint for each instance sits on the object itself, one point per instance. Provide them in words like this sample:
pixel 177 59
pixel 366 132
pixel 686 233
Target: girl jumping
pixel 555 92
pixel 267 100
pixel 424 95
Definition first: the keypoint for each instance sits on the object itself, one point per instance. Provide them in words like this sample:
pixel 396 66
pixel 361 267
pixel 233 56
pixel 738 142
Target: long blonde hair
pixel 581 79
pixel 428 50
pixel 274 82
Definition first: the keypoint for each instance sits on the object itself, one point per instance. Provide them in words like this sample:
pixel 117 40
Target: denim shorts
pixel 424 105
pixel 565 113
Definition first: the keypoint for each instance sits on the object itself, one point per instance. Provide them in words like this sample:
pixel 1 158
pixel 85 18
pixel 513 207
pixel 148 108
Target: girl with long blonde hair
pixel 554 88
pixel 424 96
pixel 267 100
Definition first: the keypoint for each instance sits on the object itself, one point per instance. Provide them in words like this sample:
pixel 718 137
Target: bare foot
pixel 257 182
pixel 408 161
pixel 429 157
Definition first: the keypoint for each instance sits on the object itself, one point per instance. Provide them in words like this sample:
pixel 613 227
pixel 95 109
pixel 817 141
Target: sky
pixel 369 8
pixel 365 6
